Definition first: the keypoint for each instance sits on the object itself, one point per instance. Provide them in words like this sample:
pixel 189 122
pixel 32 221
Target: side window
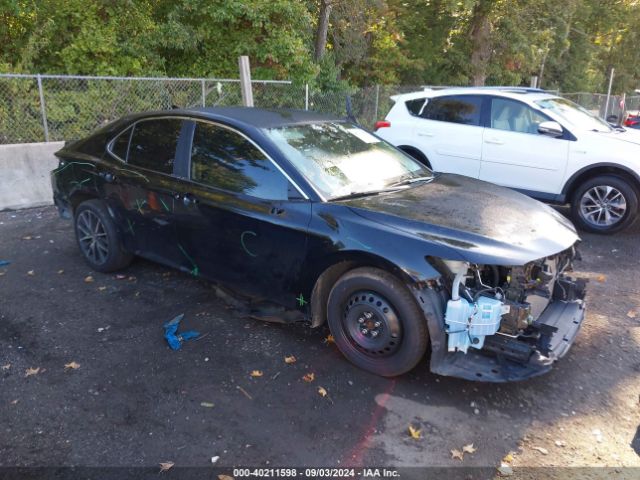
pixel 120 145
pixel 414 106
pixel 514 116
pixel 464 109
pixel 153 144
pixel 224 159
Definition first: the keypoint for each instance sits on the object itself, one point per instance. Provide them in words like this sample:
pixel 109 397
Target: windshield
pixel 341 159
pixel 574 114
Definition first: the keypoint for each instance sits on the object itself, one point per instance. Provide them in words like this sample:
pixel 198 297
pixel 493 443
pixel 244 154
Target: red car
pixel 633 119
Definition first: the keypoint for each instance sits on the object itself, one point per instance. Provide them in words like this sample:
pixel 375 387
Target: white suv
pixel 540 144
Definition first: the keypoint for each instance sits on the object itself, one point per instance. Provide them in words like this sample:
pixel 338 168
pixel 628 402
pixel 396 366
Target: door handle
pixel 277 211
pixel 426 134
pixel 108 177
pixel 189 199
pixel 494 141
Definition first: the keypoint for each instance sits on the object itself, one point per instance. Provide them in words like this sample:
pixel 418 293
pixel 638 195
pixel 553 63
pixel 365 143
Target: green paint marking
pixel 64 167
pixel 130 227
pixel 82 182
pixel 164 204
pixel 248 232
pixel 195 271
pixel 140 205
pixel 301 301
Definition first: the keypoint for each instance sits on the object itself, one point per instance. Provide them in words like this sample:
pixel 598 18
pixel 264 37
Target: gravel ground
pixel 133 402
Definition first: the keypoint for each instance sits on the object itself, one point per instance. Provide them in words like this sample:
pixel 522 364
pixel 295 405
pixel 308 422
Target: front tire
pixel 98 238
pixel 376 322
pixel 604 204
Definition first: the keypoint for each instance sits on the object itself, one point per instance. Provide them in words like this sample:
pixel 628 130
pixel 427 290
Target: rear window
pixel 414 106
pixel 463 109
pixel 154 143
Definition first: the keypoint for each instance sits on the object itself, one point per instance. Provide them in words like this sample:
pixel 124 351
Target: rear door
pixel 449 132
pixel 240 219
pixel 515 155
pixel 142 188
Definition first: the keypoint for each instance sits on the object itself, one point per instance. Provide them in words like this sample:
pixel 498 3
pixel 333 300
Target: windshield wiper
pixel 365 193
pixel 409 181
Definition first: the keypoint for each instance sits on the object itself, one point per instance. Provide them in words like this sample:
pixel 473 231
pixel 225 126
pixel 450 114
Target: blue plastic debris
pixel 4 263
pixel 175 339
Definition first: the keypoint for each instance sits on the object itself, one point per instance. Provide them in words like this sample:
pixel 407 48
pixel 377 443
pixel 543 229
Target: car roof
pixel 522 93
pixel 261 117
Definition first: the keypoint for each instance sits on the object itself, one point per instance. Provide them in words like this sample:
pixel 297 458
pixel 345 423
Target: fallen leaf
pixel 322 392
pixel 14 402
pixel 330 339
pixel 469 448
pixel 560 443
pixel 214 460
pixel 542 450
pixel 27 237
pixel 457 454
pixel 88 279
pixel 632 314
pixel 31 371
pixel 72 366
pixel 415 433
pixel 164 466
pixel 6 367
pixel 602 278
pixel 102 289
pixel 508 458
pixel 225 477
pixel 290 359
pixel 256 373
pixel 207 404
pixel 309 377
pixel 31 273
pixel 60 272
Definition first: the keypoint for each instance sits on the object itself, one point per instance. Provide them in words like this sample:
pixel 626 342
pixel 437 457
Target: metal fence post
pixel 375 110
pixel 306 96
pixel 43 110
pixel 245 81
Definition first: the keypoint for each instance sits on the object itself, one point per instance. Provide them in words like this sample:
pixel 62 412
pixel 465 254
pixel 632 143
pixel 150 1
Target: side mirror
pixel 551 129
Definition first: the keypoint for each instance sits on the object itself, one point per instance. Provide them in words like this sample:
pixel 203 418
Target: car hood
pixel 629 135
pixel 481 222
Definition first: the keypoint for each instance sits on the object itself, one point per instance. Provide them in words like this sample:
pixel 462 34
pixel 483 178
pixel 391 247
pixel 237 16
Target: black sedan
pixel 318 216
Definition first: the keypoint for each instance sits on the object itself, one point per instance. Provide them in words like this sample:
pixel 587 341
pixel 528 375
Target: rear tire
pixel 376 322
pixel 604 204
pixel 98 238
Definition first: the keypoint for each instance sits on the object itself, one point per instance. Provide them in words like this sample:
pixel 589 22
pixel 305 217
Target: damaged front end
pixel 500 323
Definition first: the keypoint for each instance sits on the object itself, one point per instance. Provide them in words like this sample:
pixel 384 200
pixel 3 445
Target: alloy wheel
pixel 603 206
pixel 92 237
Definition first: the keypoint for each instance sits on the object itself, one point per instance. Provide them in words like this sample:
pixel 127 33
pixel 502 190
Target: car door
pixel 240 220
pixel 449 132
pixel 141 189
pixel 515 155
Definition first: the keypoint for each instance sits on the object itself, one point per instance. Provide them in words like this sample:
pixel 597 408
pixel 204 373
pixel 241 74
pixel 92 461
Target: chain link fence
pixel 36 108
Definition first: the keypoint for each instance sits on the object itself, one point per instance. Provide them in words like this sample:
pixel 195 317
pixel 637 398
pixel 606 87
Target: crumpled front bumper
pixel 559 323
pixel 563 319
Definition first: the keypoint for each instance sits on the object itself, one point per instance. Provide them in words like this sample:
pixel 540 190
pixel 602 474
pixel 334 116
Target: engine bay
pixel 496 308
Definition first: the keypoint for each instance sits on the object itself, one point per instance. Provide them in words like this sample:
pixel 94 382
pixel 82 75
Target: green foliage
pixel 572 44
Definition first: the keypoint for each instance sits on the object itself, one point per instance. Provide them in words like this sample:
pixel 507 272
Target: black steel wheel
pixel 98 237
pixel 376 322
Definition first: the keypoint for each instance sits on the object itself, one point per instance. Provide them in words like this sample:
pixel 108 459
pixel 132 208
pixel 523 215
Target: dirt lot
pixel 132 401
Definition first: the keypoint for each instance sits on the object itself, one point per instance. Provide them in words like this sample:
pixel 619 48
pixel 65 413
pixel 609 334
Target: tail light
pixel 382 124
